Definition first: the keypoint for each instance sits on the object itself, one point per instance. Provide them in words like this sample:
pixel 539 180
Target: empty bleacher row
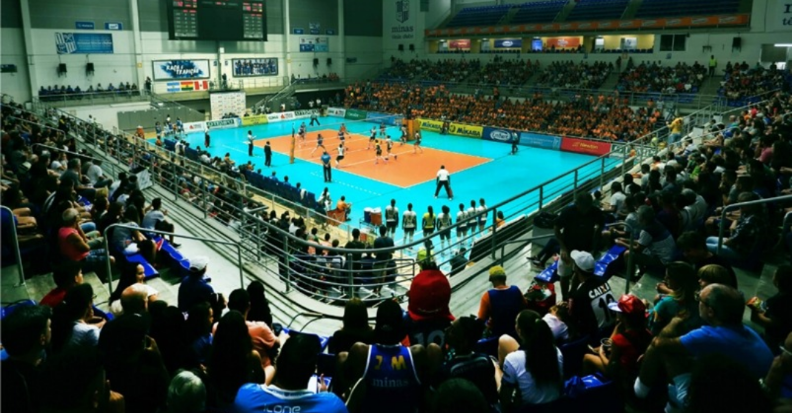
pixel 538 12
pixel 677 8
pixel 597 10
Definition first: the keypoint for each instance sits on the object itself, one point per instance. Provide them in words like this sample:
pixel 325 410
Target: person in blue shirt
pixel 289 391
pixel 674 350
pixel 195 288
pixel 328 174
pixel 387 377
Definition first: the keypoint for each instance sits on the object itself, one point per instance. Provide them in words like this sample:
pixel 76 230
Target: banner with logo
pixel 430 125
pixel 466 130
pixel 254 120
pixel 314 44
pixel 391 120
pixel 338 112
pixel 459 44
pixel 355 114
pixel 180 69
pixel 280 117
pixel 562 42
pixel 401 19
pixel 500 135
pixel 194 126
pixel 584 146
pixel 255 67
pixel 305 113
pixel 508 43
pixel 222 123
pixel 87 43
pixel 540 141
pixel 779 16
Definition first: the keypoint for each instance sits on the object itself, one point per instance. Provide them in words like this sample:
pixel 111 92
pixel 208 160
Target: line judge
pixel 444 181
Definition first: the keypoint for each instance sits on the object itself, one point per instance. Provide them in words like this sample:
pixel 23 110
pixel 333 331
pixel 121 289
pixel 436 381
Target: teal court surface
pixel 500 176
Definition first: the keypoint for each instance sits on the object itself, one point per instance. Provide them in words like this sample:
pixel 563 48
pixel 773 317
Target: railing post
pixel 286 263
pixel 239 265
pixel 575 184
pixel 17 253
pixel 630 266
pixel 494 232
pixel 351 277
pixel 541 196
pixel 602 173
pixel 258 239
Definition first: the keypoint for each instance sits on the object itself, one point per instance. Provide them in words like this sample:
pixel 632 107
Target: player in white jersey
pixel 391 218
pixel 417 144
pixel 382 129
pixel 444 222
pixel 461 217
pixel 409 219
pixel 471 217
pixel 481 215
pixel 340 156
pixel 372 138
pixel 403 138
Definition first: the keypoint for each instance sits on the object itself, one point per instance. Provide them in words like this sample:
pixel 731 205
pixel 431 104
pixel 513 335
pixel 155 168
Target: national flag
pixel 202 85
pixel 187 86
pixel 173 87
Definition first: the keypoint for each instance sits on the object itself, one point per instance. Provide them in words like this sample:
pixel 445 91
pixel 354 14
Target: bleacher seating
pixel 673 8
pixel 479 16
pixel 538 12
pixel 598 10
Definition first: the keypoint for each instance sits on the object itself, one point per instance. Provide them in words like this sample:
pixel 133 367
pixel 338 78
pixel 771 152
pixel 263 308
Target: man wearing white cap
pixel 194 288
pixel 588 302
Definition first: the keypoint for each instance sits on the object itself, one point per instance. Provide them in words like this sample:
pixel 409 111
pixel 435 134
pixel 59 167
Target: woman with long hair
pixel 429 221
pixel 131 273
pixel 532 374
pixel 233 361
pixel 681 279
pixel 259 306
pixel 356 328
pixel 73 320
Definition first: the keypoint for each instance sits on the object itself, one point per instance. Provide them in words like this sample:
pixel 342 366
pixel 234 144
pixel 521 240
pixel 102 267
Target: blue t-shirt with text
pixel 255 398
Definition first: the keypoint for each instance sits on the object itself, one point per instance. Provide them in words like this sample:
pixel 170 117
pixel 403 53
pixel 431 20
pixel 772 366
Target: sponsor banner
pixel 499 134
pixel 255 67
pixel 180 69
pixel 254 120
pixel 338 112
pixel 470 131
pixel 459 44
pixel 563 42
pixel 222 123
pixel 314 44
pixel 280 117
pixel 355 114
pixel 584 146
pixel 508 43
pixel 430 125
pixel 391 120
pixel 540 141
pixel 305 113
pixel 194 126
pixel 83 43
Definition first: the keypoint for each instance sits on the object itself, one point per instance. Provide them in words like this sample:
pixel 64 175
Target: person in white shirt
pixel 95 175
pixel 481 215
pixel 155 219
pixel 617 200
pixel 391 218
pixel 444 181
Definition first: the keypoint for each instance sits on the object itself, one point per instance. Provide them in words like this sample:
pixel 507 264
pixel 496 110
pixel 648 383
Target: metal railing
pixel 161 102
pixel 92 98
pixel 153 231
pixel 731 207
pixel 15 244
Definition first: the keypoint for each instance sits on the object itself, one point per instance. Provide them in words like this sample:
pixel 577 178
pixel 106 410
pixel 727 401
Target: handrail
pixel 731 207
pixel 15 241
pixel 154 231
pixel 160 99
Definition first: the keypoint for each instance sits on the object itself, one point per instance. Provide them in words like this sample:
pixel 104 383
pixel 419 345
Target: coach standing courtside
pixel 267 155
pixel 444 181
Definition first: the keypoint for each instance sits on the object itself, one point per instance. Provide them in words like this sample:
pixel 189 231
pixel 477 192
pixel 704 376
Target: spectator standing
pixel 381 267
pixel 575 229
pixel 500 305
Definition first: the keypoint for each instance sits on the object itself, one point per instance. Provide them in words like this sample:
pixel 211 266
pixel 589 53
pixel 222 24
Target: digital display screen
pixel 217 20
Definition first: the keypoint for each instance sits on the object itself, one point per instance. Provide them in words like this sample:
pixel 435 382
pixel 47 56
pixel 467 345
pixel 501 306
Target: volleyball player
pixel 301 132
pixel 417 144
pixel 408 224
pixel 382 129
pixel 443 223
pixel 389 148
pixel 342 137
pixel 481 215
pixel 391 217
pixel 472 220
pixel 343 128
pixel 340 156
pixel 403 138
pixel 372 137
pixel 378 156
pixel 319 144
pixel 461 231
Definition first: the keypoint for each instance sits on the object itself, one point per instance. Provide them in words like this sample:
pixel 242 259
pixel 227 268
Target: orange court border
pixel 404 170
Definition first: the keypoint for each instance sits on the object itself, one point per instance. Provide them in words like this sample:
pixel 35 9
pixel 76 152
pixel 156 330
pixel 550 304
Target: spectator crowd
pixel 61 92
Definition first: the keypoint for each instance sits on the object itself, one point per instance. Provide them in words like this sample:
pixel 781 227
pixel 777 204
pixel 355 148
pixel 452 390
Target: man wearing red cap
pixel 428 312
pixel 618 356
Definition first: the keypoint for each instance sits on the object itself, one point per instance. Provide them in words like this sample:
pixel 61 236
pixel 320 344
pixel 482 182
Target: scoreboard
pixel 217 20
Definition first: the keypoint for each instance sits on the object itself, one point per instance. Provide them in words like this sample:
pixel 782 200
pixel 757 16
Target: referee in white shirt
pixel 444 180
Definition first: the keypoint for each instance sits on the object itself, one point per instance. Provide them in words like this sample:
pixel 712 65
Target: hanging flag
pixel 173 87
pixel 187 86
pixel 201 85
